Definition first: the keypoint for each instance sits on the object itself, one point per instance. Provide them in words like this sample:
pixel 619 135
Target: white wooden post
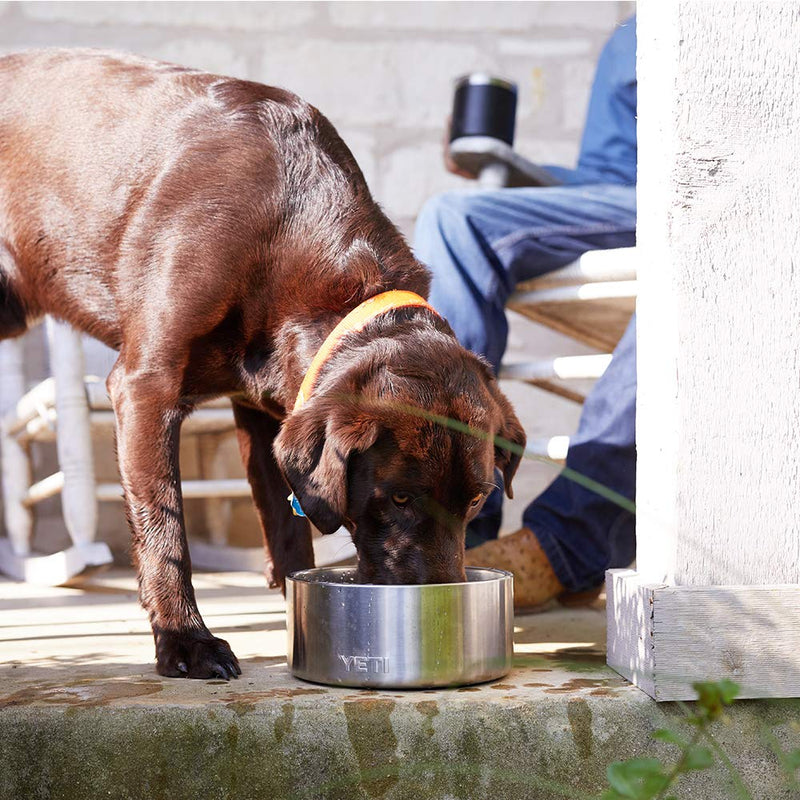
pixel 16 468
pixel 716 590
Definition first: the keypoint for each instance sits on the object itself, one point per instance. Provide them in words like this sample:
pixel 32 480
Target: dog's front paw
pixel 195 654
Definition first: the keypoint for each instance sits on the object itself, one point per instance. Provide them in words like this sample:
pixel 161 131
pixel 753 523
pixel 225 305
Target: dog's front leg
pixel 286 536
pixel 149 415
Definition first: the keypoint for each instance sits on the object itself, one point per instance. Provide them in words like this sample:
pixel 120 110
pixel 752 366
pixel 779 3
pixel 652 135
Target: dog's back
pixel 101 158
pixel 113 166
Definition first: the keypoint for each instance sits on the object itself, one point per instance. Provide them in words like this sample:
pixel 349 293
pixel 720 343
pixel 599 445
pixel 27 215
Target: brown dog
pixel 214 231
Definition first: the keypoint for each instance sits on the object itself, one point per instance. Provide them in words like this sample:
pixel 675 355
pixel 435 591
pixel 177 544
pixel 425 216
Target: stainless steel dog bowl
pixel 446 634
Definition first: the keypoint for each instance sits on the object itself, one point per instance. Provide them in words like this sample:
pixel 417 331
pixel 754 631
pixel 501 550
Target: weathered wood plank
pixel 599 323
pixel 628 613
pixel 664 638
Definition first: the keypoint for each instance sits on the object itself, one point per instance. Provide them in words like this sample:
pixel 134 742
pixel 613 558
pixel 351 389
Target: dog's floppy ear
pixel 508 429
pixel 312 450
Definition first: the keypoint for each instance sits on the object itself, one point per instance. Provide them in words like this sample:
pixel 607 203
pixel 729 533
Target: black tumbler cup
pixel 484 106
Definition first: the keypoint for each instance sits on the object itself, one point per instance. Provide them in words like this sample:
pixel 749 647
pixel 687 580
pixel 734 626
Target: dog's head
pixel 401 448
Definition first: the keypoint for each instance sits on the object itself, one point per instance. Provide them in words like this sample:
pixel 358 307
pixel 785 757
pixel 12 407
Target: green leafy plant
pixel 650 779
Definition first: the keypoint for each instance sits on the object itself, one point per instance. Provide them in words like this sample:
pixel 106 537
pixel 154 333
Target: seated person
pixel 479 245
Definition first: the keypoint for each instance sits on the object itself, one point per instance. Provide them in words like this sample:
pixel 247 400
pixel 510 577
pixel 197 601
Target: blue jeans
pixel 479 245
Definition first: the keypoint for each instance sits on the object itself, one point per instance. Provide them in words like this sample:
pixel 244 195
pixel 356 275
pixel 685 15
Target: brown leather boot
pixel 535 583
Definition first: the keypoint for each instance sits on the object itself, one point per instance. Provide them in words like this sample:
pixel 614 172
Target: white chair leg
pixel 73 433
pixel 55 569
pixel 16 466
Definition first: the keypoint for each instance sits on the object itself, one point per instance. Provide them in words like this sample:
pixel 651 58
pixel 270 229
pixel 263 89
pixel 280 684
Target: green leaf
pixel 729 690
pixel 793 759
pixel 698 758
pixel 621 782
pixel 637 778
pixel 666 735
pixel 713 696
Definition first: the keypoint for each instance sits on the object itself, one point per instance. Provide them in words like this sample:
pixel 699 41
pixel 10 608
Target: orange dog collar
pixel 353 322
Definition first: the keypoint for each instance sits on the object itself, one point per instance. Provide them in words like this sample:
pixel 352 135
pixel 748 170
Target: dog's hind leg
pixel 146 399
pixel 287 537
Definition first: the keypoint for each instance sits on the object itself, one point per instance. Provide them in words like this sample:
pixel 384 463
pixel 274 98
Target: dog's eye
pixel 475 500
pixel 401 498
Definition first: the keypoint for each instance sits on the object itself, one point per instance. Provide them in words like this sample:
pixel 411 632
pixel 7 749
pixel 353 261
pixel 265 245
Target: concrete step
pixel 83 713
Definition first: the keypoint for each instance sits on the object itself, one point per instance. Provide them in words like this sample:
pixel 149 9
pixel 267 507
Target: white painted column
pixel 718 416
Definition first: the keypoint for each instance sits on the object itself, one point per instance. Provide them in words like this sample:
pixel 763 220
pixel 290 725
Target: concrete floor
pixel 96 629
pixel 83 713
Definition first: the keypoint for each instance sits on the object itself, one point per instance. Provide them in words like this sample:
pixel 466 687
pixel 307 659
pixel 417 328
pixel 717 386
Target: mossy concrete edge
pixel 371 746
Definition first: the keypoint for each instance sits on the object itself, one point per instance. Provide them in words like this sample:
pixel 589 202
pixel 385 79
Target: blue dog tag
pixel 295 504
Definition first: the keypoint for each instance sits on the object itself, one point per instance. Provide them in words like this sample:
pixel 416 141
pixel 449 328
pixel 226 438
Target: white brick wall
pixel 233 16
pixel 475 17
pixel 383 73
pixel 397 83
pixel 578 76
pixel 211 55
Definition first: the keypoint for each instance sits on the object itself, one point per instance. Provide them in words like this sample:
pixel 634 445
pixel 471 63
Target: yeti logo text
pixel 365 663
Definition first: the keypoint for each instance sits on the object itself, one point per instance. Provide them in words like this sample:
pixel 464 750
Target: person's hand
pixel 449 164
